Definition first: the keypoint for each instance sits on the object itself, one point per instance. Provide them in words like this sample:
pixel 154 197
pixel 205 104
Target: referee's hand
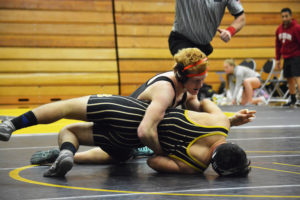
pixel 224 35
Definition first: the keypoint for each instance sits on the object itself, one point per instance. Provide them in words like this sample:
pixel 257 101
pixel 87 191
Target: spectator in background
pixel 196 23
pixel 239 77
pixel 288 47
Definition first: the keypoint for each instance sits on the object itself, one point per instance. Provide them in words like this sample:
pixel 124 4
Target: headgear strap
pixel 192 75
pixel 193 65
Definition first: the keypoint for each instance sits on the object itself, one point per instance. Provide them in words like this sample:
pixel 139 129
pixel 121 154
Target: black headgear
pixel 230 160
pixel 180 74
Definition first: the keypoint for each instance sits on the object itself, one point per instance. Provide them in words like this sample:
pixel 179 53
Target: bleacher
pixel 58 49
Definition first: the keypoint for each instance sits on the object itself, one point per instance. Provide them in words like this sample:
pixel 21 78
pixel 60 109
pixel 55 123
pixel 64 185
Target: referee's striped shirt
pixel 198 20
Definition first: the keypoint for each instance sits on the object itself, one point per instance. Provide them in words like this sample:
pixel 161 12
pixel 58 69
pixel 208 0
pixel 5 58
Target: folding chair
pixel 282 95
pixel 266 70
pixel 249 62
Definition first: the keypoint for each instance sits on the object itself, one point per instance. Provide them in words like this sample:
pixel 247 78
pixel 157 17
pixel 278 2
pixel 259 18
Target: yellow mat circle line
pixel 290 165
pixel 15 175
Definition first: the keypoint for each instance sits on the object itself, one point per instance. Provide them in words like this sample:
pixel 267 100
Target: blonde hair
pixel 230 62
pixel 187 57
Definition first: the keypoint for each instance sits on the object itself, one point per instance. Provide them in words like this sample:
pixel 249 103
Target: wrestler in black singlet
pixel 116 119
pixel 143 87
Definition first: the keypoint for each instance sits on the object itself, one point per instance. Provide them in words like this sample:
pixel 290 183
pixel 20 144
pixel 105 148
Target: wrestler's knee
pixel 246 82
pixel 83 132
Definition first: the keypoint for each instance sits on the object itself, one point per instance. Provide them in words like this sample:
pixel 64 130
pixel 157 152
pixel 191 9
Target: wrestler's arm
pixel 239 118
pixel 192 103
pixel 169 165
pixel 242 117
pixel 204 105
pixel 210 107
pixel 161 98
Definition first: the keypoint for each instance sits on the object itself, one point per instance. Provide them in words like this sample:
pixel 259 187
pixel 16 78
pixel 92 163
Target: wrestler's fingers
pixel 243 111
pixel 251 119
pixel 246 111
pixel 252 111
pixel 247 115
pixel 250 115
pixel 219 30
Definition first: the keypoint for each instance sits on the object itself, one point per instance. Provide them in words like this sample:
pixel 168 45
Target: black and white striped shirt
pixel 198 20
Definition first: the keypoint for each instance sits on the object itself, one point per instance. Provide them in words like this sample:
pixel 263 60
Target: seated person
pixel 241 77
pixel 190 140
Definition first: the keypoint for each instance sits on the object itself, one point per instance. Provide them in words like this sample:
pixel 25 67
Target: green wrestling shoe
pixel 143 151
pixel 44 157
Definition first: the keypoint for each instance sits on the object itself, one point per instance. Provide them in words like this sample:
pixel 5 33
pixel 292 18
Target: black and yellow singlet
pixel 177 133
pixel 116 119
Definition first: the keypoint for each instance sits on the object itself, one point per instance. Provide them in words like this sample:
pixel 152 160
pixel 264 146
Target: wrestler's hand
pixel 242 117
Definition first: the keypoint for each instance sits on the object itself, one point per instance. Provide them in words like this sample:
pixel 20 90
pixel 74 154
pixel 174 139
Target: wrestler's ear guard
pixel 180 73
pixel 180 66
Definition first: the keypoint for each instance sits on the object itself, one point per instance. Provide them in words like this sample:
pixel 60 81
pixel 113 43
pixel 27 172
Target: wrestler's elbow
pixel 144 133
pixel 147 130
pixel 141 132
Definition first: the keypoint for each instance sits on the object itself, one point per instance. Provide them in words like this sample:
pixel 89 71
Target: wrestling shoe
pixel 44 157
pixel 143 151
pixel 62 165
pixel 6 129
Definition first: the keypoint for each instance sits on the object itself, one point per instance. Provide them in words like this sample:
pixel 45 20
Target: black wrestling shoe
pixel 62 165
pixel 289 104
pixel 6 129
pixel 44 157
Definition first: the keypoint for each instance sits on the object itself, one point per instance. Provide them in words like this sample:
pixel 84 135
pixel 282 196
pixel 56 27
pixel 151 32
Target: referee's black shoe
pixel 290 104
